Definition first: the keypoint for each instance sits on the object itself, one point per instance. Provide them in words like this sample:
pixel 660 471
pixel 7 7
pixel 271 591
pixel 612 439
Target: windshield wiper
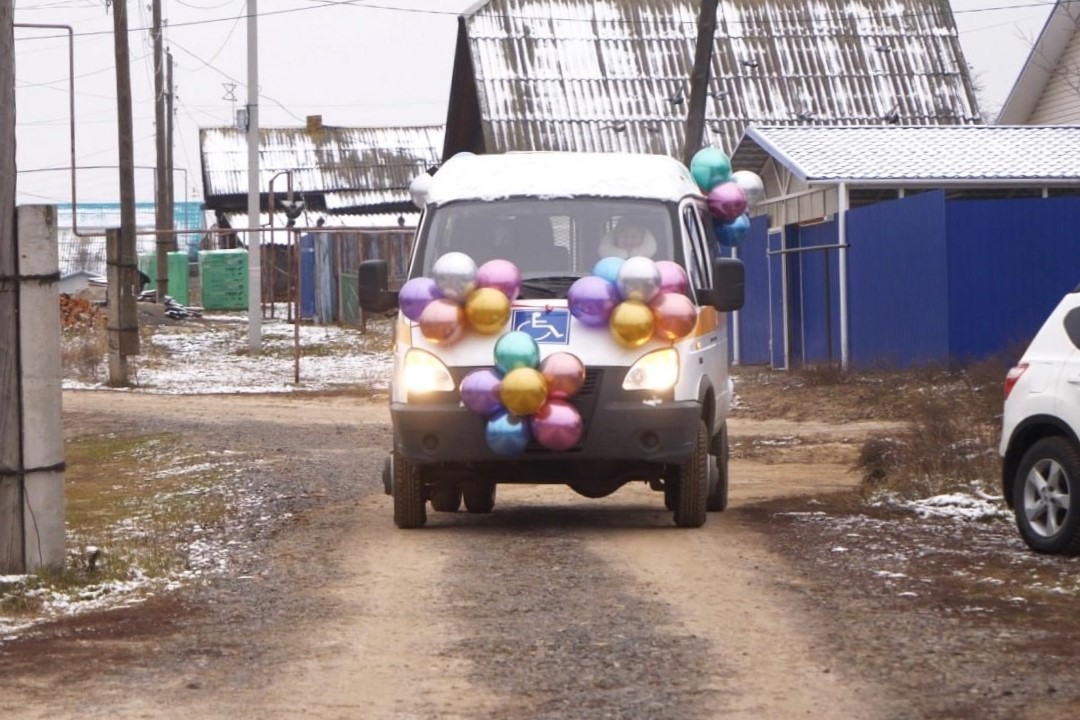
pixel 553 286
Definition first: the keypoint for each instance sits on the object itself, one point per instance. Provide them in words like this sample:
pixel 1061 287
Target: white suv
pixel 1040 440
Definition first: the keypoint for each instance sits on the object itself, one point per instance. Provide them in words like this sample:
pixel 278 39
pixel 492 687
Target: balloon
pixel 674 315
pixel 591 299
pixel 672 277
pixel 487 310
pixel 523 391
pixel 557 425
pixel 752 186
pixel 516 349
pixel 608 268
pixel 455 274
pixel 480 391
pixel 564 373
pixel 507 434
pixel 639 279
pixel 731 234
pixel 415 296
pixel 727 201
pixel 442 321
pixel 419 188
pixel 501 275
pixel 710 167
pixel 632 323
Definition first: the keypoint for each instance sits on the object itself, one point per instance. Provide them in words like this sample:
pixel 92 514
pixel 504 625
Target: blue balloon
pixel 608 268
pixel 516 349
pixel 507 434
pixel 731 234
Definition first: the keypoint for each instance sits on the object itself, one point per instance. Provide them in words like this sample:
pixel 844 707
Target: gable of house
pixel 614 75
pixel 1047 91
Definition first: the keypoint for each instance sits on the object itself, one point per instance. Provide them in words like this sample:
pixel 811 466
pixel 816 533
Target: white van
pixel 653 412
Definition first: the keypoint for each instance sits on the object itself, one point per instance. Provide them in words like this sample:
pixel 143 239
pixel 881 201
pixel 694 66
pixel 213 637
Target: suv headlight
pixel 425 373
pixel 659 370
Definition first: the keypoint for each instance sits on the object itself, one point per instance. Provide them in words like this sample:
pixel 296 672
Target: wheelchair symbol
pixel 544 326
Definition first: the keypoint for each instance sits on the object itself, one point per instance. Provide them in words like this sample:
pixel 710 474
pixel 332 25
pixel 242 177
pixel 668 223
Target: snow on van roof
pixel 560 174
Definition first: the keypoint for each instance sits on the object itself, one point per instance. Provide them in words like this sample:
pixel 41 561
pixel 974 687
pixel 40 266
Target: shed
pixel 901 246
pixel 614 76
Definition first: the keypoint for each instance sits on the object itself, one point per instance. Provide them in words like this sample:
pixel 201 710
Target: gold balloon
pixel 487 310
pixel 523 391
pixel 632 323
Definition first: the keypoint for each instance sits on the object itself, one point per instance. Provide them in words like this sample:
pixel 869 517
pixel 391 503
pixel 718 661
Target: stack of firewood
pixel 77 311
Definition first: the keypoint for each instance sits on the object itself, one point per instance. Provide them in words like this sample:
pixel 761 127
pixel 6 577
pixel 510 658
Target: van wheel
pixel 479 496
pixel 446 498
pixel 1046 497
pixel 409 510
pixel 693 488
pixel 718 480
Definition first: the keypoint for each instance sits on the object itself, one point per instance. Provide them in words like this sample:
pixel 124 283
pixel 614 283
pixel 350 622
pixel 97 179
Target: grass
pixel 131 506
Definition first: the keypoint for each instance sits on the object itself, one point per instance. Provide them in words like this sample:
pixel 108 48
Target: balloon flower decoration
pixel 523 398
pixel 460 295
pixel 636 298
pixel 728 194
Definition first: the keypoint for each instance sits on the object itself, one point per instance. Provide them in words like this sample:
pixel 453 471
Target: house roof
pixel 1043 61
pixel 377 162
pixel 614 75
pixel 371 221
pixel 1028 155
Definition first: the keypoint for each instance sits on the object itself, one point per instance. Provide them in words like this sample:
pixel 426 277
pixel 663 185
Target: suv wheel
pixel 1047 513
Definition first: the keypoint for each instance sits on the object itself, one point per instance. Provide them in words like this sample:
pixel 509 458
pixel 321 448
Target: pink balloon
pixel 727 201
pixel 442 321
pixel 557 425
pixel 501 275
pixel 672 277
pixel 564 373
pixel 674 316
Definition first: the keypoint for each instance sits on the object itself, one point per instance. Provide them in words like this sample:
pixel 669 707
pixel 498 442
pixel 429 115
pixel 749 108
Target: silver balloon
pixel 638 279
pixel 751 185
pixel 455 275
pixel 418 189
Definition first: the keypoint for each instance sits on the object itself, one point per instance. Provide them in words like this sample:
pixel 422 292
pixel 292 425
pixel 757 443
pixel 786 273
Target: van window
pixel 546 237
pixel 698 265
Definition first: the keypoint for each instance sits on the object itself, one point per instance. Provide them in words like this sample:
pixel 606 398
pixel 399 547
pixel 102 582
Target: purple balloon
pixel 727 201
pixel 557 425
pixel 415 296
pixel 480 391
pixel 672 277
pixel 501 275
pixel 591 300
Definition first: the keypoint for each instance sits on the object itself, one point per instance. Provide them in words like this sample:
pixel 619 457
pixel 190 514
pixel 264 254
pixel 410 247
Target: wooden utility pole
pixel 699 80
pixel 11 527
pixel 161 167
pixel 170 195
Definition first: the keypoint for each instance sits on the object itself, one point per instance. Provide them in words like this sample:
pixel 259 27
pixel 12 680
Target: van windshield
pixel 552 241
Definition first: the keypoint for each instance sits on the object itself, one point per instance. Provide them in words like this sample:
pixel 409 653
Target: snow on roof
pixel 558 174
pixel 885 153
pixel 374 221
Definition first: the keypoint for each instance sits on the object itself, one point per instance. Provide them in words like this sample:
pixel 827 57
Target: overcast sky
pixel 355 62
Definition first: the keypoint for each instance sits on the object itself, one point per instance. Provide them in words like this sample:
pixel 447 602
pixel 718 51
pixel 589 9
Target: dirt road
pixel 554 606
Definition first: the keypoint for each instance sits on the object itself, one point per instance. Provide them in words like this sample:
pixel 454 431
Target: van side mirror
pixel 372 279
pixel 729 285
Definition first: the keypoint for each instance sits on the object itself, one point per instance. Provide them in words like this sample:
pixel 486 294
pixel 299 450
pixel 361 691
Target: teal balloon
pixel 608 268
pixel 507 434
pixel 710 166
pixel 516 349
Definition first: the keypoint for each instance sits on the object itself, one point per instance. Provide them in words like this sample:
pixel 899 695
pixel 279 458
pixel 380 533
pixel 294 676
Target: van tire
pixel 445 498
pixel 693 489
pixel 479 496
pixel 408 492
pixel 718 491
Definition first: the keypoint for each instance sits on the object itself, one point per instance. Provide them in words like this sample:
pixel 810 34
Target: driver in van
pixel 628 239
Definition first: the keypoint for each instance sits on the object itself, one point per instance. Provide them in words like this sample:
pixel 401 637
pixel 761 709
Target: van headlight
pixel 425 373
pixel 659 370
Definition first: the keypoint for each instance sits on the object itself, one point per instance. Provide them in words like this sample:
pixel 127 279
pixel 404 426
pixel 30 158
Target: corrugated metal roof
pixel 962 154
pixel 374 221
pixel 607 75
pixel 382 161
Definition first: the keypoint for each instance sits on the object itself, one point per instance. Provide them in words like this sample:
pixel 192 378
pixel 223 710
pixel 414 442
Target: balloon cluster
pixel 523 398
pixel 728 193
pixel 459 295
pixel 636 298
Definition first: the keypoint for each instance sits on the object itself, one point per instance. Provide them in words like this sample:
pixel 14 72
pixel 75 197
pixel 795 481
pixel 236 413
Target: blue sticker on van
pixel 548 327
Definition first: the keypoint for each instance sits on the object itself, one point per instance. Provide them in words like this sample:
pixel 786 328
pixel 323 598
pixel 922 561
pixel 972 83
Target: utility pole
pixel 170 195
pixel 11 493
pixel 699 80
pixel 161 169
pixel 254 236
